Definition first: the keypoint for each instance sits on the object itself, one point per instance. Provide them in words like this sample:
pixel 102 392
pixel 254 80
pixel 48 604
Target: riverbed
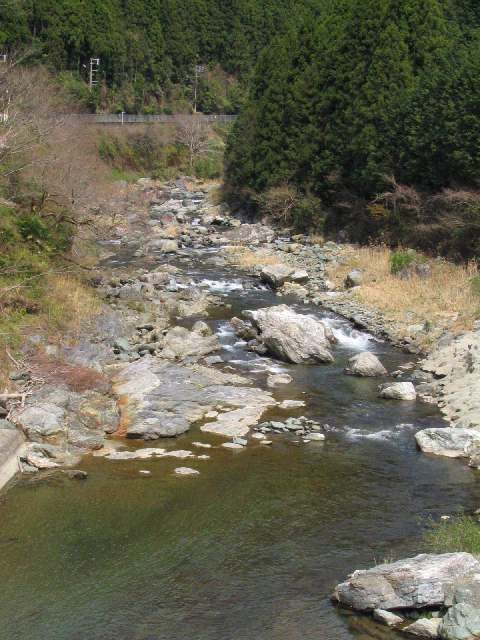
pixel 253 546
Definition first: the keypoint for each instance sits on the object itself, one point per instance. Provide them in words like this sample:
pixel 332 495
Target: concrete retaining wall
pixel 12 445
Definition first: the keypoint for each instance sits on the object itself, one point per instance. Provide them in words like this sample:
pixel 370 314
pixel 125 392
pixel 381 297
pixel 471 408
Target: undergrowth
pixel 461 533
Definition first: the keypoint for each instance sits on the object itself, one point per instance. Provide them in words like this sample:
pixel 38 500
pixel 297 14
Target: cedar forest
pixel 363 114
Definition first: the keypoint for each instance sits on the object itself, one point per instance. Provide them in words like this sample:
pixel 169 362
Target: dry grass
pixel 69 303
pixel 445 299
pixel 247 259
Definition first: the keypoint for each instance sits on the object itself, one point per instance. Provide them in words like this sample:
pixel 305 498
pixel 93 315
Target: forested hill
pixel 361 114
pixel 148 44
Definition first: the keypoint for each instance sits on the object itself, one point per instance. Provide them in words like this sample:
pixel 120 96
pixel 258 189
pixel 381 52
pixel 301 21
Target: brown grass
pixel 68 304
pixel 76 377
pixel 445 299
pixel 245 258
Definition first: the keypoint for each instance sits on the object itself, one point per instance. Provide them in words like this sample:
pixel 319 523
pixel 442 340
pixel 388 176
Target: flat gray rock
pixel 162 399
pixel 414 583
pixel 450 442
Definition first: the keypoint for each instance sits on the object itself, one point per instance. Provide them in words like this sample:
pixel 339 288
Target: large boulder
pixel 398 391
pixel 450 442
pixel 292 337
pixel 366 365
pixel 276 274
pixel 354 279
pixel 415 583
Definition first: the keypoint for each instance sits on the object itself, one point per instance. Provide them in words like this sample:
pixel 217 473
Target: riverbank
pixel 410 312
pixel 143 301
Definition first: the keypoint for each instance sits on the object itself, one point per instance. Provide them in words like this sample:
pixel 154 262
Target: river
pixel 253 546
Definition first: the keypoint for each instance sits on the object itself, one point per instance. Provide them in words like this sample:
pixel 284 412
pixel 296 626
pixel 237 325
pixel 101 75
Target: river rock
pixel 293 290
pixel 365 364
pixel 180 343
pixel 292 337
pixel 387 618
pixel 354 279
pixel 243 330
pixel 163 245
pixel 413 583
pixel 69 419
pixel 162 399
pixel 450 442
pixel 461 622
pixel 424 628
pixel 250 234
pixel 398 391
pixel 276 274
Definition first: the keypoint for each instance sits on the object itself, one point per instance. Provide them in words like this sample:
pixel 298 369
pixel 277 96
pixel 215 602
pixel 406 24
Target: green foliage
pixel 400 260
pixel 461 533
pixel 152 152
pixel 148 47
pixel 368 90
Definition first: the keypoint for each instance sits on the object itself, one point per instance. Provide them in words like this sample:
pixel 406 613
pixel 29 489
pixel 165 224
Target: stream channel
pixel 252 547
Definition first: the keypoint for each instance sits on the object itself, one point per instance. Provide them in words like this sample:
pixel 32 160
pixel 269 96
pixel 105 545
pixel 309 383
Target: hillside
pixel 368 120
pixel 148 49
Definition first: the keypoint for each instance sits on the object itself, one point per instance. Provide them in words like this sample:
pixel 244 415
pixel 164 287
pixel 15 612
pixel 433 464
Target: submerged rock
pixel 387 618
pixel 292 337
pixel 278 379
pixel 414 583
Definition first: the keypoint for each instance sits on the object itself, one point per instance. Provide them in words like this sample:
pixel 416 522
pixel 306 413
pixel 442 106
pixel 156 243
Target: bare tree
pixel 193 133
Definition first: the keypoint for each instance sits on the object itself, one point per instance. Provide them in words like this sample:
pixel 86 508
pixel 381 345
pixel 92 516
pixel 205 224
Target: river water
pixel 251 548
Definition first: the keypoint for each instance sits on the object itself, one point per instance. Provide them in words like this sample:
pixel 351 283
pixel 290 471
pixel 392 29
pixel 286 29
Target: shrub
pixel 400 260
pixel 461 533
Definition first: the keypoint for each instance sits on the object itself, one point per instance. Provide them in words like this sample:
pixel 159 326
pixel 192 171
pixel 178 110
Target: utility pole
pixel 199 68
pixel 93 75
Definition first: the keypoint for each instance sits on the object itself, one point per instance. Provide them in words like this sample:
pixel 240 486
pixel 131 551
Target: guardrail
pixel 129 118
